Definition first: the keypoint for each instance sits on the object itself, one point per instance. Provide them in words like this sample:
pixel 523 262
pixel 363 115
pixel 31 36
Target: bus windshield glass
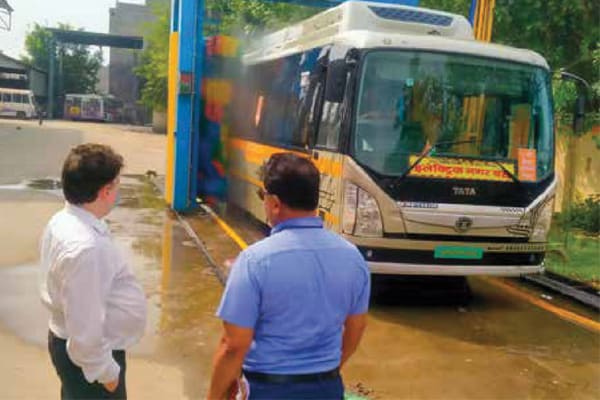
pixel 472 110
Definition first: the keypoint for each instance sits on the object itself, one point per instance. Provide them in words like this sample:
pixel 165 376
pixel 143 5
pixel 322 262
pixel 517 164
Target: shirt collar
pixel 88 218
pixel 298 223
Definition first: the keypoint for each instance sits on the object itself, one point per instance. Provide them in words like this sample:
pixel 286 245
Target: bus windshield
pixel 468 108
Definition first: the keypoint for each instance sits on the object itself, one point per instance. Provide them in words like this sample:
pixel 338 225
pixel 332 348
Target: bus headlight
pixel 542 225
pixel 361 216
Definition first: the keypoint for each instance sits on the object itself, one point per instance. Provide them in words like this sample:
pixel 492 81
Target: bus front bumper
pixel 390 268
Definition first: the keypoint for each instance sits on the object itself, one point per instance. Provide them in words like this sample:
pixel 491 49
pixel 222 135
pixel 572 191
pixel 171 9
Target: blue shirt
pixel 295 289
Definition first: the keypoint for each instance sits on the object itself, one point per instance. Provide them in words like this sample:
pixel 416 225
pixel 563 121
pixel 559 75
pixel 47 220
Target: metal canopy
pixel 99 39
pixel 9 64
pixel 88 39
pixel 5 15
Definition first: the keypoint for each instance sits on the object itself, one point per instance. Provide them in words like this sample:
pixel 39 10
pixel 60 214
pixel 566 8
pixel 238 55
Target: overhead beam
pixel 97 39
pixel 333 3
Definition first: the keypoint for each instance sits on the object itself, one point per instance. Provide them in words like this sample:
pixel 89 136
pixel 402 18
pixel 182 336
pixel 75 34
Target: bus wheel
pixel 21 115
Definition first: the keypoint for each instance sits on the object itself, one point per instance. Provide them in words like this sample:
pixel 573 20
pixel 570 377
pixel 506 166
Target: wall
pixel 128 19
pixel 587 166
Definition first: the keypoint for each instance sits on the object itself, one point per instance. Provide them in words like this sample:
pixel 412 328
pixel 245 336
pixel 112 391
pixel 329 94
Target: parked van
pixel 17 103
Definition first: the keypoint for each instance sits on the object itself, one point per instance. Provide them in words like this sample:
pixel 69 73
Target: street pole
pixel 51 62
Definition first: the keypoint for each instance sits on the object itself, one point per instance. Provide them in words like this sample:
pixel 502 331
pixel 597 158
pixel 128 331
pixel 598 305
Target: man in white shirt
pixel 97 308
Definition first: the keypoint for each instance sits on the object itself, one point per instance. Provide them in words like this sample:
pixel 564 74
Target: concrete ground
pixel 423 340
pixel 30 160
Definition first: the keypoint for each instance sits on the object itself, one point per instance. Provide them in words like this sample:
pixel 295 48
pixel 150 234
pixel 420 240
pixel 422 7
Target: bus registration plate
pixel 458 252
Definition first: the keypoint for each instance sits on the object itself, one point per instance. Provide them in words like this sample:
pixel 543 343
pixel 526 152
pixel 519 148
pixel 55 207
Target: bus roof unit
pixel 369 24
pixel 365 16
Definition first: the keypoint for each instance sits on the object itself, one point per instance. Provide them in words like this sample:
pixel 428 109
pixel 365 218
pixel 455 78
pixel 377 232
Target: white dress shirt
pixel 95 302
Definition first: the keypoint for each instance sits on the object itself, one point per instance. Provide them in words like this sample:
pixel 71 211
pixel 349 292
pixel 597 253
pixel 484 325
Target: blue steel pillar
pixel 189 78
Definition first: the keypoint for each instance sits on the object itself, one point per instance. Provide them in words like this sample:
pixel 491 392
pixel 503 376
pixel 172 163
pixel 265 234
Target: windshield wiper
pixel 508 172
pixel 428 153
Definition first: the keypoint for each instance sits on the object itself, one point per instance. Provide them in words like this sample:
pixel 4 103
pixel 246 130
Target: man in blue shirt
pixel 295 304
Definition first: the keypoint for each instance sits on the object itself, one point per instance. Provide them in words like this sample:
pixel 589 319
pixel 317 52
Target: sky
pixel 92 15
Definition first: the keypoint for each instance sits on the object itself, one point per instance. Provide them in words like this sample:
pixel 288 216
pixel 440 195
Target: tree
pixel 565 32
pixel 154 65
pixel 80 65
pixel 245 18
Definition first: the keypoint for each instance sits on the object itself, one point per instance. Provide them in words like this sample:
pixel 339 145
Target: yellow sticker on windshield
pixel 460 168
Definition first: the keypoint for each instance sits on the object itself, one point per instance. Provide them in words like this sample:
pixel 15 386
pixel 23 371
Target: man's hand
pixel 112 386
pixel 228 360
pixel 354 327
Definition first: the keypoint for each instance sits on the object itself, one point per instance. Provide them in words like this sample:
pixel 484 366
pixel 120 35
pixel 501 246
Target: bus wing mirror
pixel 335 85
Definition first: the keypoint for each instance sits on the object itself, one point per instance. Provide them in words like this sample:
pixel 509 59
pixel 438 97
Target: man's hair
pixel 87 168
pixel 295 180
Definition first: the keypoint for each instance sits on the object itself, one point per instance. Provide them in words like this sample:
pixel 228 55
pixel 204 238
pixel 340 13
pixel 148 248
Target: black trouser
pixel 74 384
pixel 321 386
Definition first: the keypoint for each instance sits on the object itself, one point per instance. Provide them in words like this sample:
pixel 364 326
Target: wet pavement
pixel 447 339
pixel 456 338
pixel 181 289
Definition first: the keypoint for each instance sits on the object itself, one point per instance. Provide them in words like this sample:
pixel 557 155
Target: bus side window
pixel 311 100
pixel 6 97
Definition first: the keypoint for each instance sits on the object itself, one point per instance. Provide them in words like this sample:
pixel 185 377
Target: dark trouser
pixel 74 385
pixel 319 387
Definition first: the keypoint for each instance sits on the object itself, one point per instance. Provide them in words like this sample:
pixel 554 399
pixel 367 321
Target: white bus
pixel 93 107
pixel 17 103
pixel 436 151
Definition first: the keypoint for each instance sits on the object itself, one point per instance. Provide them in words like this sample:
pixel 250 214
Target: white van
pixel 17 103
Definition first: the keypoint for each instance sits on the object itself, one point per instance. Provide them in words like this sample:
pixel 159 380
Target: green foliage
pixel 572 254
pixel 564 93
pixel 154 66
pixel 80 64
pixel 454 6
pixel 584 216
pixel 596 65
pixel 565 32
pixel 243 18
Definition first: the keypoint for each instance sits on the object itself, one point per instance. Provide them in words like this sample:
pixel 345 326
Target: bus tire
pixel 21 115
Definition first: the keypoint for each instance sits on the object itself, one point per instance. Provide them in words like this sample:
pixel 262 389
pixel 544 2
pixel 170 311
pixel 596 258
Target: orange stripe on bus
pixel 257 154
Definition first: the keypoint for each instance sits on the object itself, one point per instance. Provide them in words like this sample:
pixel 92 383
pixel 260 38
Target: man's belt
pixel 280 378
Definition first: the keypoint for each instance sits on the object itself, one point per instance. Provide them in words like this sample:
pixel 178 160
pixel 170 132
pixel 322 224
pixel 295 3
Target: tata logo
pixel 463 224
pixel 463 191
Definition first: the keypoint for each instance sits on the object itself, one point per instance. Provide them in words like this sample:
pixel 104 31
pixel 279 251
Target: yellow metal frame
pixel 171 115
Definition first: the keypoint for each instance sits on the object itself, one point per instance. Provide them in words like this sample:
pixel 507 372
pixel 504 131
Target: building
pixel 130 20
pixel 18 75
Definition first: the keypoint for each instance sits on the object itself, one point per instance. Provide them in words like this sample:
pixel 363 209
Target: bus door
pixel 327 136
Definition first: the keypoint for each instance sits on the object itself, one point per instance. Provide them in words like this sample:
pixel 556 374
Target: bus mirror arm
pixel 579 111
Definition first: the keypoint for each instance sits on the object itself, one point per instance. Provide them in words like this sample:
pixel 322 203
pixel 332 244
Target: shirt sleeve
pixel 363 290
pixel 87 281
pixel 240 304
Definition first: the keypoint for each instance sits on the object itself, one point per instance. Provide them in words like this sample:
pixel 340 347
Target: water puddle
pixel 49 185
pixel 182 292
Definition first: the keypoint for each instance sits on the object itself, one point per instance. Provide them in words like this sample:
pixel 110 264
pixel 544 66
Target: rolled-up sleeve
pixel 240 304
pixel 86 287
